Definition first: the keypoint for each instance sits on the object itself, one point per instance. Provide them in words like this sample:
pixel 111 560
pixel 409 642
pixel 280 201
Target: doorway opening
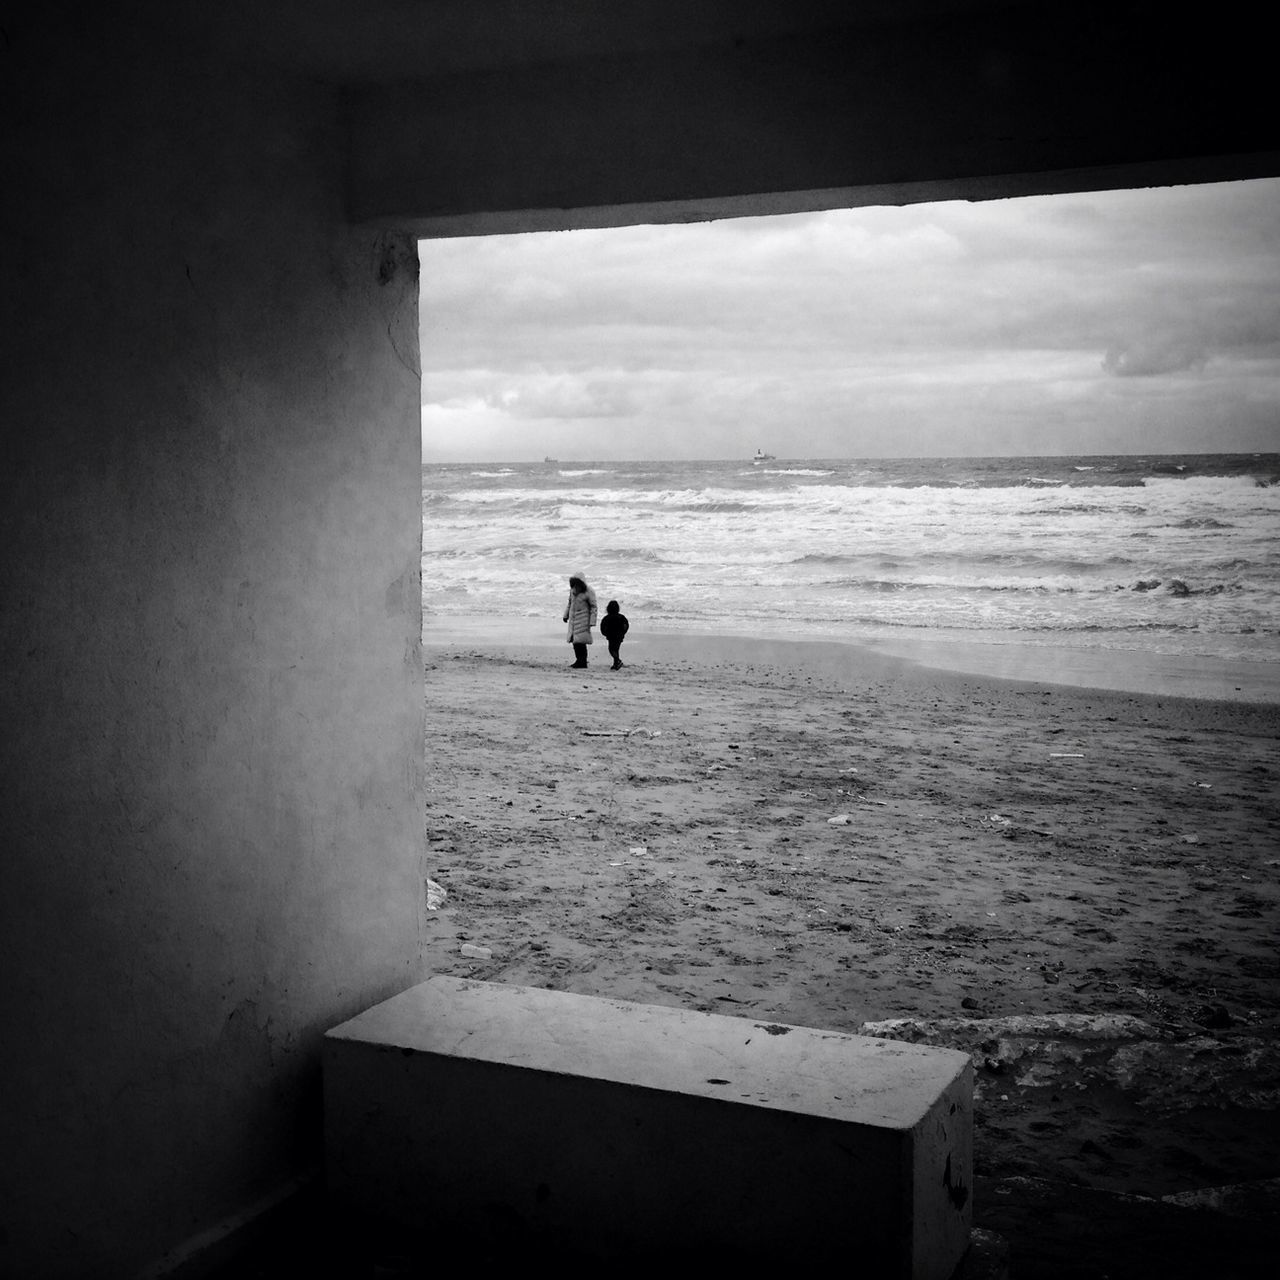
pixel 921 728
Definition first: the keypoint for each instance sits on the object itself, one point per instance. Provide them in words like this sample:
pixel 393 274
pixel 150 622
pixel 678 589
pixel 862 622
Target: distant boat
pixel 762 457
pixel 551 462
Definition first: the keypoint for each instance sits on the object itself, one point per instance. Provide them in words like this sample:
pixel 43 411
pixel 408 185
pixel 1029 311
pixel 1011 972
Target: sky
pixel 1143 321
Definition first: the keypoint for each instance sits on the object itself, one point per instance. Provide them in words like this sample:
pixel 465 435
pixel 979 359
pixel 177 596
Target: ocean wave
pixel 716 505
pixel 890 586
pixel 636 555
pixel 1164 624
pixel 790 471
pixel 824 557
pixel 972 545
pixel 1089 509
pixel 628 501
pixel 1205 484
pixel 1056 626
pixel 1179 588
pixel 967 562
pixel 1174 587
pixel 521 500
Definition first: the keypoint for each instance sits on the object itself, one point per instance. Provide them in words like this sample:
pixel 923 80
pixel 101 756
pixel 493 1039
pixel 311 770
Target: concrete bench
pixel 632 1131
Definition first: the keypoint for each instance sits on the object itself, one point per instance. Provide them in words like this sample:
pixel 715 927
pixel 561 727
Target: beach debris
pixel 1066 755
pixel 1161 1071
pixel 998 820
pixel 1035 1026
pixel 476 952
pixel 435 895
pixel 1237 1200
pixel 1191 838
pixel 1213 1016
pixel 638 851
pixel 840 820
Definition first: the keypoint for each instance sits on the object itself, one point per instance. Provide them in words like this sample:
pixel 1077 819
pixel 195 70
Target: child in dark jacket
pixel 614 626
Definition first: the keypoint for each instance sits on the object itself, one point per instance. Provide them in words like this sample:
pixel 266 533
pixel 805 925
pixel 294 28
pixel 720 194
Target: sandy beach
pixel 1076 885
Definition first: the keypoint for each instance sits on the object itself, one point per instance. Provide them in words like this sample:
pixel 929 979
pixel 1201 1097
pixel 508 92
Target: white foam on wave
pixel 927 546
pixel 793 471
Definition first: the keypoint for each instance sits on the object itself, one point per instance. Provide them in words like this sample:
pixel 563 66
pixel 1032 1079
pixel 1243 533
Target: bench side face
pixel 622 1171
pixel 942 1173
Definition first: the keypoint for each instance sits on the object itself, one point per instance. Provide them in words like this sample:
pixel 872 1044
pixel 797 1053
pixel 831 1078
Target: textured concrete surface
pixel 211 688
pixel 212 682
pixel 630 1126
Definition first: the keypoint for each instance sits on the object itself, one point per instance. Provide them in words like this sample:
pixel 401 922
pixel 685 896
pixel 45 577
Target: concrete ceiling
pixel 370 41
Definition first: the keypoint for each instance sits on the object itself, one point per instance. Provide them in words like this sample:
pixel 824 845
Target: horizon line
pixel 547 460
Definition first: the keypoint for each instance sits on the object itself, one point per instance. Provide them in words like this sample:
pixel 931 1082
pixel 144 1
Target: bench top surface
pixel 747 1061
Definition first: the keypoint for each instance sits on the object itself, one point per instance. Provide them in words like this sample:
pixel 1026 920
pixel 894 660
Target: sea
pixel 1174 555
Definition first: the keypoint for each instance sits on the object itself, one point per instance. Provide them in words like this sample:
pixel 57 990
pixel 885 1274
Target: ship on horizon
pixel 761 456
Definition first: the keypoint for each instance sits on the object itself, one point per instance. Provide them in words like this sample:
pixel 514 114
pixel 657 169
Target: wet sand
pixel 1077 886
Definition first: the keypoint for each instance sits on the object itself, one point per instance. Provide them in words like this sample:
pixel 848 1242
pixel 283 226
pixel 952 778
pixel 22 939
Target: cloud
pixel 956 327
pixel 1144 358
pixel 563 396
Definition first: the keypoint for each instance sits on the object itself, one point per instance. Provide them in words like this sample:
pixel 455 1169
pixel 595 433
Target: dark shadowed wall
pixel 212 689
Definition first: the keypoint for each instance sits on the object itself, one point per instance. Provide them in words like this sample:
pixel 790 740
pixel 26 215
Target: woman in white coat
pixel 580 614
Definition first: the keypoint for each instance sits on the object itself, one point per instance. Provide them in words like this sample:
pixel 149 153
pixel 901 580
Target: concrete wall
pixel 964 100
pixel 212 693
pixel 210 684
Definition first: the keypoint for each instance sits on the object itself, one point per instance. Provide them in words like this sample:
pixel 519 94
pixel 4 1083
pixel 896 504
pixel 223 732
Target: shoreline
pixel 1111 670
